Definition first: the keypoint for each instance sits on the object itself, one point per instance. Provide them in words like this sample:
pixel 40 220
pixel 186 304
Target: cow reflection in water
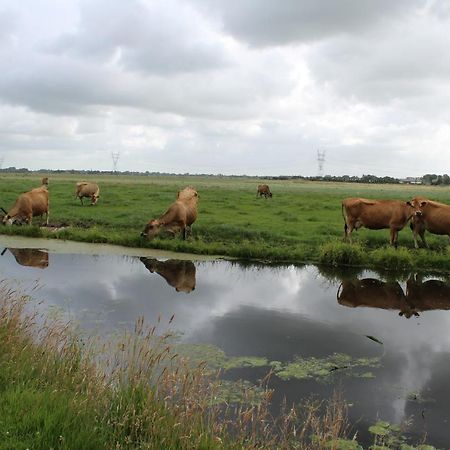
pixel 30 257
pixel 177 273
pixel 420 295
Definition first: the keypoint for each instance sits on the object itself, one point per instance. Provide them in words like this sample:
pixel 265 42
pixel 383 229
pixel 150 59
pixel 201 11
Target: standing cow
pixel 263 190
pixel 376 215
pixel 28 205
pixel 179 217
pixel 429 216
pixel 87 189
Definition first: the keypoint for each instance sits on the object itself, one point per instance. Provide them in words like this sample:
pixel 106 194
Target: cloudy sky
pixel 251 87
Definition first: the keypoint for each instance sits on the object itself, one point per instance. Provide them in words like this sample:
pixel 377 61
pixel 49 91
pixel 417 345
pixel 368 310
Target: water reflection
pixel 419 295
pixel 30 257
pixel 277 313
pixel 178 274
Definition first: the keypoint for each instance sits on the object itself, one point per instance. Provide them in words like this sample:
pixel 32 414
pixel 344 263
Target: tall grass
pixel 58 390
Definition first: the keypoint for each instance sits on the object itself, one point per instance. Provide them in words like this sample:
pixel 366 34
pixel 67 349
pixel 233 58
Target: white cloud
pixel 226 87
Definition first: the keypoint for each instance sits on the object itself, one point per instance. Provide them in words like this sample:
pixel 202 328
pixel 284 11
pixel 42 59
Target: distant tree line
pixel 429 178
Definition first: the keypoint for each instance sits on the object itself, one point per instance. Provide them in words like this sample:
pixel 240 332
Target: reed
pixel 59 390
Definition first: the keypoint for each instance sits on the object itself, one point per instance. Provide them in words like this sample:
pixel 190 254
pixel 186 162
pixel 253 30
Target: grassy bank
pixel 60 391
pixel 301 223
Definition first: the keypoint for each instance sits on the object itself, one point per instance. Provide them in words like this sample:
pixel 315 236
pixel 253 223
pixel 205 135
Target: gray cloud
pixel 226 87
pixel 154 37
pixel 262 23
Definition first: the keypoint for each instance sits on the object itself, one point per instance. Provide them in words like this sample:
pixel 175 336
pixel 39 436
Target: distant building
pixel 411 180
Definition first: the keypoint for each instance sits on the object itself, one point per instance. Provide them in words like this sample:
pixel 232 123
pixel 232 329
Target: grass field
pixel 301 223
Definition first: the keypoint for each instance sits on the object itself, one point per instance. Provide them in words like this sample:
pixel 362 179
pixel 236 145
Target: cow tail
pixel 345 220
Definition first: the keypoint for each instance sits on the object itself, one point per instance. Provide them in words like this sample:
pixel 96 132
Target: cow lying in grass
pixel 178 218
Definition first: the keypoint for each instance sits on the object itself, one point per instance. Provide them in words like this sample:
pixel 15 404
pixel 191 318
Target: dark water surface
pixel 393 335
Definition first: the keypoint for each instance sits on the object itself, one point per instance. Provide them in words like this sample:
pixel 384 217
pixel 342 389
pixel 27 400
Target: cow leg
pixel 416 245
pixel 422 237
pixel 348 229
pixel 184 233
pixel 394 237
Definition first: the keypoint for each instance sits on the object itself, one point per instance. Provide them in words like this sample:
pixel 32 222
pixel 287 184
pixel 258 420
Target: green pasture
pixel 301 223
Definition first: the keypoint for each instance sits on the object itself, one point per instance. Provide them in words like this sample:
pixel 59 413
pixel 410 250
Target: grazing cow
pixel 375 215
pixel 86 189
pixel 29 257
pixel 28 205
pixel 374 293
pixel 179 217
pixel 429 216
pixel 178 274
pixel 263 189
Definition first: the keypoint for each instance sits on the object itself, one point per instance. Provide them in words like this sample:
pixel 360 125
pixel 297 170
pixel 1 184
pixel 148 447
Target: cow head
pixel 418 203
pixel 11 220
pixel 151 229
pixel 94 198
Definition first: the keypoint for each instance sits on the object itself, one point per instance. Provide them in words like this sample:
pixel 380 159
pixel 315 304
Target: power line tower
pixel 320 162
pixel 115 159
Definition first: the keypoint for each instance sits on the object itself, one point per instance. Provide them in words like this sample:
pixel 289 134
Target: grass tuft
pixel 340 253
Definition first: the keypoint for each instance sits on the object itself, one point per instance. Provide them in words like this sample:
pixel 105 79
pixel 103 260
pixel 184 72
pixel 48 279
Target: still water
pixel 384 342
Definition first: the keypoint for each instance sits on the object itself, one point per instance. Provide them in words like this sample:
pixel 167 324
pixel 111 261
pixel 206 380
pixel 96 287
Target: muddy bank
pixel 59 246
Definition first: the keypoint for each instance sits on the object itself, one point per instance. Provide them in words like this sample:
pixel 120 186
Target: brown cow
pixel 28 205
pixel 178 274
pixel 179 217
pixel 430 216
pixel 374 293
pixel 29 257
pixel 44 181
pixel 375 215
pixel 263 189
pixel 87 189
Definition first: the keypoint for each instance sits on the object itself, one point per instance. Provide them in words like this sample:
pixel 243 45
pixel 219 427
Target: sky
pixel 253 87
